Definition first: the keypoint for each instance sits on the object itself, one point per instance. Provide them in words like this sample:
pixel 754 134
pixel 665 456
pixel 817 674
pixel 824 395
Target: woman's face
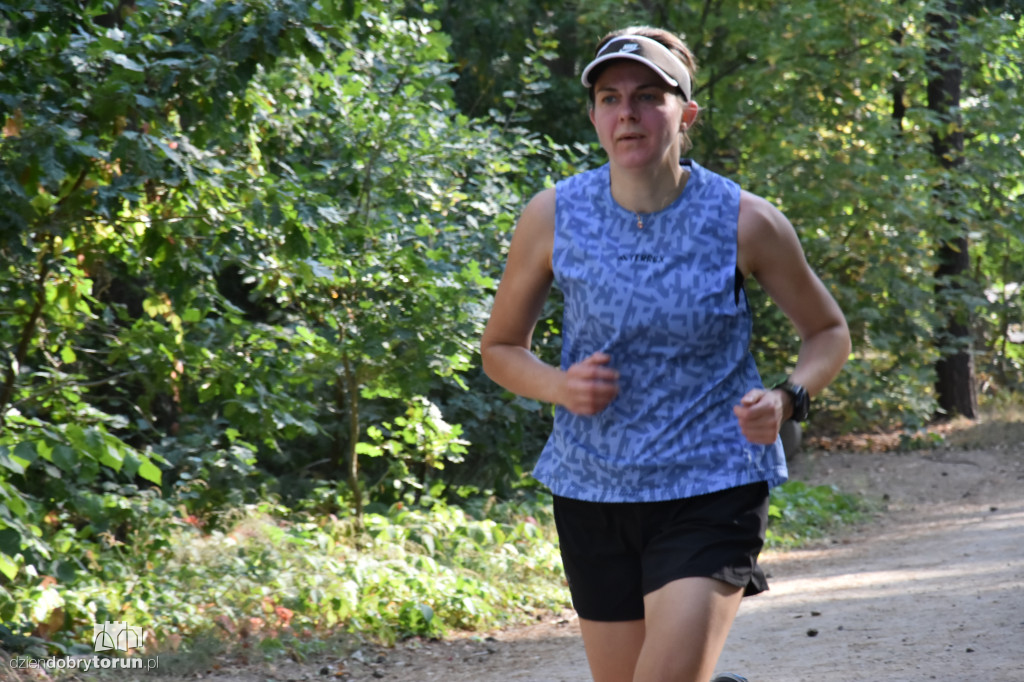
pixel 638 117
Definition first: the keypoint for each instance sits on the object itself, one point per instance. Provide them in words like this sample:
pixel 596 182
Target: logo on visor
pixel 629 47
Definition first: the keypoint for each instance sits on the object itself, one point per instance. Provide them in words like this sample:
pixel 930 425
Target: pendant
pixel 639 221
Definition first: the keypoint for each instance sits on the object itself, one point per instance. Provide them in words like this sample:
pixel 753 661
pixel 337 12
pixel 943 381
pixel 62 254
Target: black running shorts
pixel 616 552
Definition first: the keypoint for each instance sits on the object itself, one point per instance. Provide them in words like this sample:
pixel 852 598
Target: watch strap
pixel 798 396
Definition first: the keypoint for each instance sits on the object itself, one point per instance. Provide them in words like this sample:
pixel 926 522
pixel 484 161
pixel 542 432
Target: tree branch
pixel 28 330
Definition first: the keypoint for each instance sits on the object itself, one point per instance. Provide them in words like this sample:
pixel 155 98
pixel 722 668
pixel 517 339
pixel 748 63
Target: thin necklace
pixel 640 218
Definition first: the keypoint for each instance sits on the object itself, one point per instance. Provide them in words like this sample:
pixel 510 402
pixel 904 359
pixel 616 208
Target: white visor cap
pixel 648 52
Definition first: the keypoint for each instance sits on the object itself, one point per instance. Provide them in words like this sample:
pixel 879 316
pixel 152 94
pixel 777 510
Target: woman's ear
pixel 690 112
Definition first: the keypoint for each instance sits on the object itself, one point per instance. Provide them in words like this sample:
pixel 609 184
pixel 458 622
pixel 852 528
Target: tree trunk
pixel 955 369
pixel 899 87
pixel 347 397
pixel 352 456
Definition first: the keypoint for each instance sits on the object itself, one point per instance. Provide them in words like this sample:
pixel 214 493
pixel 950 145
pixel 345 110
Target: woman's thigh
pixel 686 624
pixel 613 648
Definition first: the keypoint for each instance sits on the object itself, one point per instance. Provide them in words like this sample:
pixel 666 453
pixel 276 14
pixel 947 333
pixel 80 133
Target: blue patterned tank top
pixel 664 303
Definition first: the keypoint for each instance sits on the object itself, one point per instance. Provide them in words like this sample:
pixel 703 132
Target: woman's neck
pixel 648 192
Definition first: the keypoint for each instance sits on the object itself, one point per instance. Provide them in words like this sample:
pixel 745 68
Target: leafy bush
pixel 799 513
pixel 272 572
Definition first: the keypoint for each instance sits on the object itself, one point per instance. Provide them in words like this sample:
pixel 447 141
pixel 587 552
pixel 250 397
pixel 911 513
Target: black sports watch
pixel 798 396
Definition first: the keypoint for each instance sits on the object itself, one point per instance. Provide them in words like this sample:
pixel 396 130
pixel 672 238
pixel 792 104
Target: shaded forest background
pixel 248 246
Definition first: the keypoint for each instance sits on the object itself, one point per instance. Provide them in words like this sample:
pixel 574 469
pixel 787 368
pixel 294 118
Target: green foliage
pixel 272 573
pixel 829 120
pixel 995 186
pixel 196 280
pixel 247 248
pixel 800 513
pixel 112 145
pixel 511 62
pixel 386 286
pixel 248 243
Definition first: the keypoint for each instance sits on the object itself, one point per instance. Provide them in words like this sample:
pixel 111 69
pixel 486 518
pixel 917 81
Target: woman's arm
pixel 588 386
pixel 770 251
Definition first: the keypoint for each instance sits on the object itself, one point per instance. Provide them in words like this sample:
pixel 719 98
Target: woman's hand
pixel 590 385
pixel 761 413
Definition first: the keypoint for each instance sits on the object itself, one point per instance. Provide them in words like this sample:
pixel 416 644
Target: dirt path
pixel 933 589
